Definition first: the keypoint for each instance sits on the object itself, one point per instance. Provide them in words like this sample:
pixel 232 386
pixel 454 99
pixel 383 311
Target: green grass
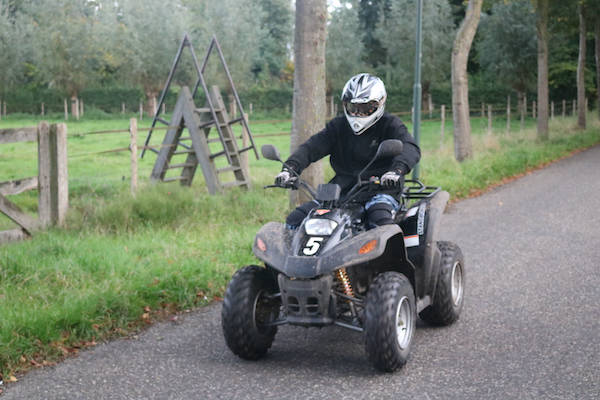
pixel 120 260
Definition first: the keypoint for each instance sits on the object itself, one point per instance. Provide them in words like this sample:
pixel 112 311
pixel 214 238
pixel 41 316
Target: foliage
pixel 507 52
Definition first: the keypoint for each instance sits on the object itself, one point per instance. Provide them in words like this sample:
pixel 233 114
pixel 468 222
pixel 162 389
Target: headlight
pixel 320 227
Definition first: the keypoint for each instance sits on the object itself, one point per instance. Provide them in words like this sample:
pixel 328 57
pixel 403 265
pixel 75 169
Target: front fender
pixel 389 238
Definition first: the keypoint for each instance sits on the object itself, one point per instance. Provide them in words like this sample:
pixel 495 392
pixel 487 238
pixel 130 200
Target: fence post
pixel 244 155
pixel 0 110
pixel 251 109
pixel 552 110
pixel 482 110
pixel 141 111
pixel 564 109
pixel 4 107
pixel 508 114
pixel 489 119
pixel 43 109
pixel 430 105
pixel 122 108
pixel 133 134
pixel 443 115
pixel 66 111
pixel 533 108
pixel 574 107
pixel 53 177
pixel 164 108
pixel 523 111
pixel 81 107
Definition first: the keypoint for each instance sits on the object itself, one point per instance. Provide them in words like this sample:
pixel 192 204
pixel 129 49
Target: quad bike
pixel 333 270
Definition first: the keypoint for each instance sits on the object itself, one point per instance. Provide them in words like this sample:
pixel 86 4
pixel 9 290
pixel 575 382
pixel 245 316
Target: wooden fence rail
pixel 51 182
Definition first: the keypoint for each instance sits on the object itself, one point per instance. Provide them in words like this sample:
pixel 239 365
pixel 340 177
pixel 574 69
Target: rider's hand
pixel 392 179
pixel 283 178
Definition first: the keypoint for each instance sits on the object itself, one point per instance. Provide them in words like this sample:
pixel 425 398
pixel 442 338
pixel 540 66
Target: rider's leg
pixel 381 210
pixel 296 217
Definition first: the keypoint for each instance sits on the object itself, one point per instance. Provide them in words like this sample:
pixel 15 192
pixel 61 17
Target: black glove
pixel 392 179
pixel 284 177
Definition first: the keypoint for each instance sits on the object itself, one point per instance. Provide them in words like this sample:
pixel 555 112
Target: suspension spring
pixel 342 276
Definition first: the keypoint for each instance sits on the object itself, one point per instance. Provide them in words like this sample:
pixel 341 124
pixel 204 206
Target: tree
pixel 309 81
pixel 542 63
pixel 507 48
pixel 371 13
pixel 463 147
pixel 66 49
pixel 276 24
pixel 341 31
pixel 597 41
pixel 398 40
pixel 581 109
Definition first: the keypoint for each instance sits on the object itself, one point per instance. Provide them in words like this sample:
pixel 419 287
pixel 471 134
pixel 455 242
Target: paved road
pixel 530 328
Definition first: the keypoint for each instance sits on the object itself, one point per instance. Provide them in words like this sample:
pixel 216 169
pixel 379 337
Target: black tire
pixel 387 344
pixel 449 296
pixel 245 307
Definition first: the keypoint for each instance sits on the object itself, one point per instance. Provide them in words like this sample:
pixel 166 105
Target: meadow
pixel 122 262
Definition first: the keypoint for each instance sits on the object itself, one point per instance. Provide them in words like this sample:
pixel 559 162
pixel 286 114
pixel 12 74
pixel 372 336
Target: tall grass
pixel 119 260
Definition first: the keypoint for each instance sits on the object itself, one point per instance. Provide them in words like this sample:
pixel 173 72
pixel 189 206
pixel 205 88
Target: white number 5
pixel 312 246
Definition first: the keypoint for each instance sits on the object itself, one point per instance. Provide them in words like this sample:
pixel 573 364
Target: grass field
pixel 122 262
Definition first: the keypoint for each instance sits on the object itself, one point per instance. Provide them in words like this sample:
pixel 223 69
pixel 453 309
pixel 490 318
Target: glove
pixel 283 178
pixel 392 179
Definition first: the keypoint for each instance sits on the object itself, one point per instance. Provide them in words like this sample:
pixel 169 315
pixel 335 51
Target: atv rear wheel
pixel 449 293
pixel 390 316
pixel 247 307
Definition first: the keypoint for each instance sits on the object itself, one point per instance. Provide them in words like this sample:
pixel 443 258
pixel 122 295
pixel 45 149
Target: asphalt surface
pixel 530 327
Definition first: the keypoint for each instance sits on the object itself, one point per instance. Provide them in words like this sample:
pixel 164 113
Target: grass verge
pixel 122 262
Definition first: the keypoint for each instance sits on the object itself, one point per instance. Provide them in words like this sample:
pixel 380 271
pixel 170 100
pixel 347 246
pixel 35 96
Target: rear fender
pixel 421 228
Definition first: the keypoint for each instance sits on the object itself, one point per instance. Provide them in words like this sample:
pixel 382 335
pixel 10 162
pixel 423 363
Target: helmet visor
pixel 361 109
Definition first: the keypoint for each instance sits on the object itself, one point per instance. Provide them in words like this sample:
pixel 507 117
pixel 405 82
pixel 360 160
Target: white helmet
pixel 364 101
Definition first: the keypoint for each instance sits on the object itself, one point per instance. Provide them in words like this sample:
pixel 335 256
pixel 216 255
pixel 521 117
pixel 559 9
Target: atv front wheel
pixel 390 317
pixel 248 306
pixel 449 293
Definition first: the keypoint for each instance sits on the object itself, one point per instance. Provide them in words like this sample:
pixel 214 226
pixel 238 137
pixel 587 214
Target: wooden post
pixel 164 108
pixel 133 134
pixel 482 110
pixel 331 114
pixel 154 106
pixel 430 105
pixel 552 110
pixel 587 105
pixel 81 108
pixel 244 156
pixel 141 111
pixel 4 107
pixel 508 115
pixel 523 111
pixel 122 108
pixel 574 107
pixel 66 111
pixel 443 115
pixel 43 109
pixel 233 109
pixel 564 109
pixel 0 110
pixel 412 114
pixel 250 108
pixel 533 109
pixel 489 119
pixel 53 179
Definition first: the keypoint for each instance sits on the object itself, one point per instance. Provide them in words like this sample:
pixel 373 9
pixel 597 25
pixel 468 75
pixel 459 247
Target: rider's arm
pixel 411 154
pixel 318 146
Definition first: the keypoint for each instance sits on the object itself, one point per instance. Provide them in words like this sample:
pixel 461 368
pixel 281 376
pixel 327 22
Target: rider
pixel 352 142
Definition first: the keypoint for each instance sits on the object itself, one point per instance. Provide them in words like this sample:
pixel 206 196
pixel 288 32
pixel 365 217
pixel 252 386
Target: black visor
pixel 361 109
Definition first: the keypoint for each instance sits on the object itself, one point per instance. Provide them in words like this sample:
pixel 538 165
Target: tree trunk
pixel 151 103
pixel 581 69
pixel 598 64
pixel 309 83
pixel 463 148
pixel 542 85
pixel 75 106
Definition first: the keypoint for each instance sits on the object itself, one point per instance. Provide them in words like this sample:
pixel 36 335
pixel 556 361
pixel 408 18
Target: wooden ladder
pixel 198 122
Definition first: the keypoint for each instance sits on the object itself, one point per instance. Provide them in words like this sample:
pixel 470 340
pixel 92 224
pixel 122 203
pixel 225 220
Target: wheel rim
pixel 404 323
pixel 457 283
pixel 262 312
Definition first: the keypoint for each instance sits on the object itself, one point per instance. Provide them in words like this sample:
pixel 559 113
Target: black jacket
pixel 350 153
